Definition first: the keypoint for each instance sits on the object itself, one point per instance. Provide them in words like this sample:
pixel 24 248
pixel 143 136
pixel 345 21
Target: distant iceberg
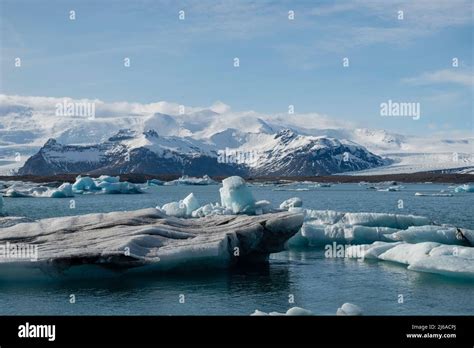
pixel 18 190
pixel 189 180
pixel 294 202
pixel 63 191
pixel 154 182
pixel 84 184
pixel 464 188
pixel 104 184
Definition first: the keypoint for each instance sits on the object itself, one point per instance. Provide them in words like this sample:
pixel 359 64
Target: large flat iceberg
pixel 148 240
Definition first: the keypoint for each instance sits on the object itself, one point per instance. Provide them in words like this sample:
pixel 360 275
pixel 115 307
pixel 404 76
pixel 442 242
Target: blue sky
pixel 282 62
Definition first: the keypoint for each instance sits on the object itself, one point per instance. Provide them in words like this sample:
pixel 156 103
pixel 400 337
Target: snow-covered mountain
pixel 315 145
pixel 284 153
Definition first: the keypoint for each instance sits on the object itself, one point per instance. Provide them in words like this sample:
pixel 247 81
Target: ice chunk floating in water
pixel 63 191
pixel 18 191
pixel 189 180
pixel 349 309
pixel 104 184
pixel 293 311
pixel 84 184
pixel 294 202
pixel 236 196
pixel 183 208
pixel 322 227
pixel 148 240
pixel 464 188
pixel 448 260
pixel 434 233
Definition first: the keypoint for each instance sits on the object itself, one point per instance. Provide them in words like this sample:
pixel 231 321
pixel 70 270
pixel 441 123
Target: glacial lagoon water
pixel 314 282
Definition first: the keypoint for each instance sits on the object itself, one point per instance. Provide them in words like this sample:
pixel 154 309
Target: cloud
pixel 451 76
pixel 47 105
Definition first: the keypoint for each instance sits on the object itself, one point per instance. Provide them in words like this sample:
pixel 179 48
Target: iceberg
pixel 349 309
pixel 189 180
pixel 327 226
pixel 191 204
pixel 263 207
pixel 83 184
pixel 63 191
pixel 110 179
pixel 464 188
pixel 154 182
pixel 429 257
pixel 183 208
pixel 176 209
pixel 432 233
pixel 18 191
pixel 104 184
pixel 123 187
pixel 441 194
pixel 293 311
pixel 236 196
pixel 341 233
pixel 211 209
pixel 147 240
pixel 294 202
